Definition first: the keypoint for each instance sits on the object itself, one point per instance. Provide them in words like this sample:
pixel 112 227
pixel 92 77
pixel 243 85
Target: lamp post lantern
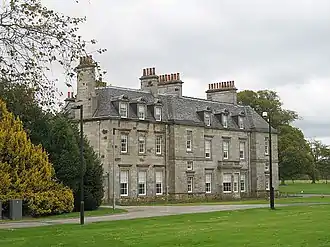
pixel 82 204
pixel 271 189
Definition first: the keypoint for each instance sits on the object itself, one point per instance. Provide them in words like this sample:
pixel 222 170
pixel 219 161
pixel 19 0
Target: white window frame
pixel 224 121
pixel 124 182
pixel 208 183
pixel 242 150
pixel 158 113
pixel 267 182
pixel 142 183
pixel 141 112
pixel 241 122
pixel 266 145
pixel 189 140
pixel 236 182
pixel 226 183
pixel 225 149
pixel 190 165
pixel 123 111
pixel 124 143
pixel 158 144
pixel 190 184
pixel 142 144
pixel 208 148
pixel 207 118
pixel 243 182
pixel 159 182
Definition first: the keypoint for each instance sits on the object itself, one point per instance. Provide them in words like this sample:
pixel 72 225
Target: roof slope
pixel 177 109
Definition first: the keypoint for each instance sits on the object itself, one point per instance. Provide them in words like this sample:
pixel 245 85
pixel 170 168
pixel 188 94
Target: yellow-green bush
pixel 26 173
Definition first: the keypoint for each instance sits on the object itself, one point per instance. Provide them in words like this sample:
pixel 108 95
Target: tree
pixel 26 171
pixel 294 154
pixel 33 38
pixel 321 158
pixel 65 154
pixel 295 157
pixel 269 101
pixel 61 140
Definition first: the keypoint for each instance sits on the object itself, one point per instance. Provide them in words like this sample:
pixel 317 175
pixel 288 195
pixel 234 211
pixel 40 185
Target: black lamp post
pixel 82 204
pixel 271 189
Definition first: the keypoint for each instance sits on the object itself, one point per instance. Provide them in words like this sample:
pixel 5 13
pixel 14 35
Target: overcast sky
pixel 277 45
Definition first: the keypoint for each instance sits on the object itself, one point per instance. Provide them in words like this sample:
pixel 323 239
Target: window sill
pixel 124 153
pixel 123 195
pixel 208 192
pixel 159 194
pixel 227 192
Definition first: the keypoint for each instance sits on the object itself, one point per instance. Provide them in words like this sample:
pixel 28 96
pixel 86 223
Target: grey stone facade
pixel 157 142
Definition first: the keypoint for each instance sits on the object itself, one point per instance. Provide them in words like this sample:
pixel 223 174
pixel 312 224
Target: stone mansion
pixel 154 142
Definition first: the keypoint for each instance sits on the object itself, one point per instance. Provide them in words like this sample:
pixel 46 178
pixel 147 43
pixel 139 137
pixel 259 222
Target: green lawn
pixel 290 226
pixel 99 212
pixel 308 188
pixel 288 200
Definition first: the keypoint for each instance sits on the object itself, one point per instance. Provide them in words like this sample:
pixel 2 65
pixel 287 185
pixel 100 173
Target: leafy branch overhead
pixel 32 39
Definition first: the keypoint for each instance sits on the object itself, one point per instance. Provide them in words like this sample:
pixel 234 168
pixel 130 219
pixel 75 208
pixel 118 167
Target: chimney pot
pixel 174 77
pixel 72 95
pixel 69 95
pixel 144 72
pixel 153 71
pixel 178 76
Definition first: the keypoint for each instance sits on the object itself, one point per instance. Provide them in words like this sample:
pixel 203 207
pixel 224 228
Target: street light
pixel 271 189
pixel 82 204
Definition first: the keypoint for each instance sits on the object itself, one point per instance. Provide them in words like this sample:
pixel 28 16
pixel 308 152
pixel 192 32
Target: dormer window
pixel 241 122
pixel 158 113
pixel 123 109
pixel 225 120
pixel 207 119
pixel 141 112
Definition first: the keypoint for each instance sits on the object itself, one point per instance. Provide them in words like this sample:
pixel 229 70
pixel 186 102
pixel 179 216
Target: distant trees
pixel 321 157
pixel 25 171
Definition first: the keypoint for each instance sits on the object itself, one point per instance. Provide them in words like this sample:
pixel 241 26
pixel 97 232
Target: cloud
pixel 261 44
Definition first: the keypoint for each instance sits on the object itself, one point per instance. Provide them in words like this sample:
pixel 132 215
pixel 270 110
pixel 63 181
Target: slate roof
pixel 176 109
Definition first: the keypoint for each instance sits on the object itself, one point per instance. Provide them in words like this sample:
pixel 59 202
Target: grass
pixel 289 226
pixel 306 186
pixel 99 212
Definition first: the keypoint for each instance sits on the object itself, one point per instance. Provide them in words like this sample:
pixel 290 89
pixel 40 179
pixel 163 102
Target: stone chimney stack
pixel 225 92
pixel 86 85
pixel 170 84
pixel 149 81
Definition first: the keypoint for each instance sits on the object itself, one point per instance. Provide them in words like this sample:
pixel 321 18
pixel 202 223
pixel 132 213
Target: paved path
pixel 135 212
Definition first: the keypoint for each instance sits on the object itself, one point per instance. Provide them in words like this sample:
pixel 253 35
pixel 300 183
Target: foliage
pixel 269 101
pixel 26 171
pixel 63 145
pixel 34 38
pixel 294 153
pixel 61 140
pixel 321 156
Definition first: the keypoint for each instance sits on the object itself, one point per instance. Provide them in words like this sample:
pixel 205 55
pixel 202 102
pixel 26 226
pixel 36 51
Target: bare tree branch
pixel 32 38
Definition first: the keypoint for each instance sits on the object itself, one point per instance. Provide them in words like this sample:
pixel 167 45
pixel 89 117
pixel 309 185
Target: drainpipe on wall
pixel 166 160
pixel 249 166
